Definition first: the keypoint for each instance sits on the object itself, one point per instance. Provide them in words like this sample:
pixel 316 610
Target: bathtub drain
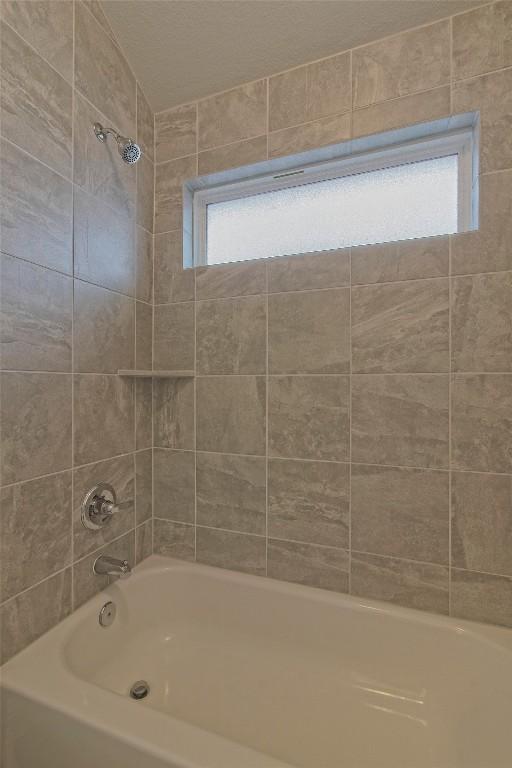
pixel 139 690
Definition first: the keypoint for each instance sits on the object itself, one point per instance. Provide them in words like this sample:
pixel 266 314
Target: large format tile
pixel 231 413
pixel 86 583
pixel 143 413
pixel 35 317
pixel 144 266
pixel 98 167
pixel 401 328
pixel 35 417
pixel 145 193
pixel 232 156
pixel 233 115
pixel 482 323
pixel 487 249
pixel 309 501
pixel 172 282
pixel 482 522
pixel 236 551
pixel 174 337
pixel 491 96
pixel 48 27
pixel 175 132
pixel 482 40
pixel 174 539
pixel 145 126
pixel 308 417
pixel 95 7
pixel 309 332
pixel 35 532
pixel 169 178
pixel 36 211
pixel 143 486
pixel 231 335
pixel 98 61
pixel 300 138
pixel 481 597
pixel 100 230
pixel 103 330
pixel 120 474
pixel 309 564
pixel 173 413
pixel 29 615
pixel 143 541
pixel 143 336
pixel 413 585
pixel 231 492
pixel 307 271
pixel 482 422
pixel 400 512
pixel 35 104
pixel 400 420
pixel 103 417
pixel 228 280
pixel 403 260
pixel 310 92
pixel 415 60
pixel 174 485
pixel 402 112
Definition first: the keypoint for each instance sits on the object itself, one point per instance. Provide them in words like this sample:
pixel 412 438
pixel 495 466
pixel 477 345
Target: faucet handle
pixel 99 506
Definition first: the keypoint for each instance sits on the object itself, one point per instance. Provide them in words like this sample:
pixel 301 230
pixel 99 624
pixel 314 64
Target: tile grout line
pixel 411 468
pixel 152 409
pixel 350 434
pixel 273 375
pixel 135 291
pixel 267 399
pixel 450 383
pixel 195 351
pixel 73 601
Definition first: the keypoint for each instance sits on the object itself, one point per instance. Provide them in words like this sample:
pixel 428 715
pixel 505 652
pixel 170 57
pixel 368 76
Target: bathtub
pixel 246 672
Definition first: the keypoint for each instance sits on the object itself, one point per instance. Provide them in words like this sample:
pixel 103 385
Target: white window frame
pixel 459 142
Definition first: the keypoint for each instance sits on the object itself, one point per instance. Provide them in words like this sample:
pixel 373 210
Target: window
pixel 416 189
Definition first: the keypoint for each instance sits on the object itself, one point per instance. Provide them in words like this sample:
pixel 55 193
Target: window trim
pixel 458 142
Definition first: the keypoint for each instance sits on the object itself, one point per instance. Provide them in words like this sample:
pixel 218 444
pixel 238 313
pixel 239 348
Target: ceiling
pixel 182 50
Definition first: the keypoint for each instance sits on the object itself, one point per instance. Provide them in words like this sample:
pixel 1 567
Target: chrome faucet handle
pixel 99 505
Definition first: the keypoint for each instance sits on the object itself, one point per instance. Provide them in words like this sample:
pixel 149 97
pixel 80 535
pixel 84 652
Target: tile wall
pixel 351 420
pixel 75 306
pixel 350 424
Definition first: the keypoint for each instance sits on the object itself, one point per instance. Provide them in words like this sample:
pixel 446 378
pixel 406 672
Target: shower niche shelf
pixel 134 374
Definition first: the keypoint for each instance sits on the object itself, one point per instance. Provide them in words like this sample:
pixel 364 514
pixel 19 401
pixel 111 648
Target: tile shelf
pixel 129 373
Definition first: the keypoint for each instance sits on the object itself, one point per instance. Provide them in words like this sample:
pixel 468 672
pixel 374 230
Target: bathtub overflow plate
pixel 107 614
pixel 139 690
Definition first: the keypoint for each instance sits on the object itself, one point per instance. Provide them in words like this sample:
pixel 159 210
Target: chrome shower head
pixel 128 149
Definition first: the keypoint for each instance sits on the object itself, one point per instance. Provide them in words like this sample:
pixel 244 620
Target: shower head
pixel 128 149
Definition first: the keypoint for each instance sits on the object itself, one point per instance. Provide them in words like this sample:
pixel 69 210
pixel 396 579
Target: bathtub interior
pixel 297 674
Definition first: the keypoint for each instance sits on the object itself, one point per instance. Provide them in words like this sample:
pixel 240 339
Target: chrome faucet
pixel 111 566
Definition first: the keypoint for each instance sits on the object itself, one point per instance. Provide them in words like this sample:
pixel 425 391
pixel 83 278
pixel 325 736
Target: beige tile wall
pixel 76 273
pixel 332 459
pixel 350 425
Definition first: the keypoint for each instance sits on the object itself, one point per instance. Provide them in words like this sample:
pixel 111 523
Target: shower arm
pixel 101 133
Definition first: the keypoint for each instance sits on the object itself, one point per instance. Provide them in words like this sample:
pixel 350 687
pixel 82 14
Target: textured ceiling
pixel 182 50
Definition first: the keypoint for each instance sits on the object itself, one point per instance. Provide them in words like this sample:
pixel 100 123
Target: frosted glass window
pixel 417 199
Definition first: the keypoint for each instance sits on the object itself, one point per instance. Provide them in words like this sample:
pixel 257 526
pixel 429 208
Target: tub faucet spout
pixel 111 566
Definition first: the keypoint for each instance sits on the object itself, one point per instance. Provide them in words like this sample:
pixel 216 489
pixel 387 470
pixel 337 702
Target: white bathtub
pixel 251 673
